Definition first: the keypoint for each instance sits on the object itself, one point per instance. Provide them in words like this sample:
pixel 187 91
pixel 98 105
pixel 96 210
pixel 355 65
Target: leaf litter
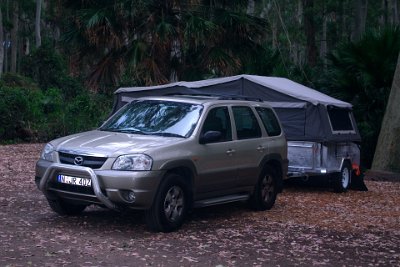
pixel 306 227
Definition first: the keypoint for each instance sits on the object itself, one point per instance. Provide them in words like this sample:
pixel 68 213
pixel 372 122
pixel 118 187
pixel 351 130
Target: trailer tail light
pixel 356 169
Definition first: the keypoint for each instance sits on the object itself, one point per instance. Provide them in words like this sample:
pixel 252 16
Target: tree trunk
pixel 38 38
pixel 175 56
pixel 384 16
pixel 298 47
pixel 394 12
pixel 361 11
pixel 14 38
pixel 324 44
pixel 6 39
pixel 250 7
pixel 309 28
pixel 27 46
pixel 274 29
pixel 300 11
pixel 357 20
pixel 1 43
pixel 343 28
pixel 387 153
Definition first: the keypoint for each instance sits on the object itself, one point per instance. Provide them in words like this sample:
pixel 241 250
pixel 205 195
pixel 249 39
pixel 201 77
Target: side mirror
pixel 210 137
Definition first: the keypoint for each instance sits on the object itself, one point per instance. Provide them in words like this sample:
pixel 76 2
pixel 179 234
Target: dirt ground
pixel 307 227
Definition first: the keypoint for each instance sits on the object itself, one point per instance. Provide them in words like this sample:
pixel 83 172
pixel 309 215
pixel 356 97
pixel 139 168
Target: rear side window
pixel 270 121
pixel 340 120
pixel 246 123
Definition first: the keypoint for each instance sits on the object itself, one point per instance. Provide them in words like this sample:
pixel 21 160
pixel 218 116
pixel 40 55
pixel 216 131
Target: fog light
pixel 129 195
pixel 323 170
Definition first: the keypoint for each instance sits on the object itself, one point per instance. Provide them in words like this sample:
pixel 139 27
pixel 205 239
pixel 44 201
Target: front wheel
pixel 343 179
pixel 266 190
pixel 170 205
pixel 64 208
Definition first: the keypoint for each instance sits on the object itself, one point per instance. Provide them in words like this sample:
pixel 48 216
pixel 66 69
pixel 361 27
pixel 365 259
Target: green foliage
pixel 136 42
pixel 181 40
pixel 49 70
pixel 87 111
pixel 44 66
pixel 60 107
pixel 264 62
pixel 361 73
pixel 15 80
pixel 13 112
pixel 35 115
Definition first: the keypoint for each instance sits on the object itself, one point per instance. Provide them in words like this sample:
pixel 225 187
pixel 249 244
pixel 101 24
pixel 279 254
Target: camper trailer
pixel 322 135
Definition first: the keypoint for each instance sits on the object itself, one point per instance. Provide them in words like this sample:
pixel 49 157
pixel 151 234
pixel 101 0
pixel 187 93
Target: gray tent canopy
pixel 306 114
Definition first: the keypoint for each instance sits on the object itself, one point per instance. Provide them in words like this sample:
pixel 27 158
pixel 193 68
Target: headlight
pixel 136 162
pixel 47 152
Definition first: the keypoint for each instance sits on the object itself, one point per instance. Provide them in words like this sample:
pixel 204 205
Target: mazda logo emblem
pixel 78 160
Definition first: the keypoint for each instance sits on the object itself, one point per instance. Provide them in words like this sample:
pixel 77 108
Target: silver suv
pixel 166 155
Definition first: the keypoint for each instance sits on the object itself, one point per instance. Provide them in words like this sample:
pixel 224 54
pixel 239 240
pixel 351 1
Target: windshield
pixel 154 117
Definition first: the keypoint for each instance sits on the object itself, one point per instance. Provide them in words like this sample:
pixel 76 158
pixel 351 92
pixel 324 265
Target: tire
pixel 343 179
pixel 170 205
pixel 63 208
pixel 266 190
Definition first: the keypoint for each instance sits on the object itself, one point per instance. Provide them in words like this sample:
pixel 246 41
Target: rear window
pixel 270 121
pixel 340 120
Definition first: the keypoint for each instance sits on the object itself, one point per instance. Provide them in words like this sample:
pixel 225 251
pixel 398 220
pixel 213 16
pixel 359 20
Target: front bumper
pixel 109 187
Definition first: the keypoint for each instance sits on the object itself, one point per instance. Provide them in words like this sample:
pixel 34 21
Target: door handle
pixel 229 152
pixel 260 149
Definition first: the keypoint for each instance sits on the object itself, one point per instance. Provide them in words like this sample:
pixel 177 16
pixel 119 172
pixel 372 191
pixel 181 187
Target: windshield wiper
pixel 108 130
pixel 136 131
pixel 168 135
pixel 126 130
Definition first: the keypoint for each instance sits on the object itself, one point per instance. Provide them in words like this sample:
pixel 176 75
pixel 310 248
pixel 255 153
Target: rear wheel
pixel 266 190
pixel 343 179
pixel 64 208
pixel 170 205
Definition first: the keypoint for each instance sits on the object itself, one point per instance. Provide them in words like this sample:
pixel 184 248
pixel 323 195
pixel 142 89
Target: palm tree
pixel 154 42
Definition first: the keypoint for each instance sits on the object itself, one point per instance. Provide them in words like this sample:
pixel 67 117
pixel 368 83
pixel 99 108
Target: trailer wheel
pixel 343 179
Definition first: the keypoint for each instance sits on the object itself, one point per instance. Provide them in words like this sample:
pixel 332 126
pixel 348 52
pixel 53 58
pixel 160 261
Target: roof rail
pixel 191 94
pixel 240 97
pixel 220 97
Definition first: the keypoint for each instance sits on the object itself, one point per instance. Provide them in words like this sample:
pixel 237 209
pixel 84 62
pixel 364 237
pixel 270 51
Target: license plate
pixel 65 179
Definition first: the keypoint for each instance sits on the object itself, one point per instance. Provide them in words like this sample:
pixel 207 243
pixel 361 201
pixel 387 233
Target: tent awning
pixel 281 85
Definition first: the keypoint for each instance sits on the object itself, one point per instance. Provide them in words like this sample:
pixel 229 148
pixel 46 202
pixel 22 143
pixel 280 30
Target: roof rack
pixel 220 97
pixel 239 97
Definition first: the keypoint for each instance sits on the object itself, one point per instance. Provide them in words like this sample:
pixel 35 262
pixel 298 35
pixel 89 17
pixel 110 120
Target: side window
pixel 246 123
pixel 340 120
pixel 270 121
pixel 218 120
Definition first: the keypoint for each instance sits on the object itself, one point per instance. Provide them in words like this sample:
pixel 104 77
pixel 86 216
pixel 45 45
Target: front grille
pixel 88 161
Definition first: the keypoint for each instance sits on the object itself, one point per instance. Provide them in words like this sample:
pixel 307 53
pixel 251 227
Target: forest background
pixel 61 60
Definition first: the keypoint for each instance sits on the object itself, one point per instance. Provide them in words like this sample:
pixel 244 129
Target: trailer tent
pixel 306 114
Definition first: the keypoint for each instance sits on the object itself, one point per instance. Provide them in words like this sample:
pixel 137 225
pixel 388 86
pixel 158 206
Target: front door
pixel 216 162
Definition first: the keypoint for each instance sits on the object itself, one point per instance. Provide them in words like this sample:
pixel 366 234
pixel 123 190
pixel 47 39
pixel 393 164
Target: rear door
pixel 251 147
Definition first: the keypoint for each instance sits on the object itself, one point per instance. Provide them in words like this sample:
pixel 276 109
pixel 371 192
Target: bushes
pixel 34 115
pixel 14 113
pixel 86 112
pixel 47 102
